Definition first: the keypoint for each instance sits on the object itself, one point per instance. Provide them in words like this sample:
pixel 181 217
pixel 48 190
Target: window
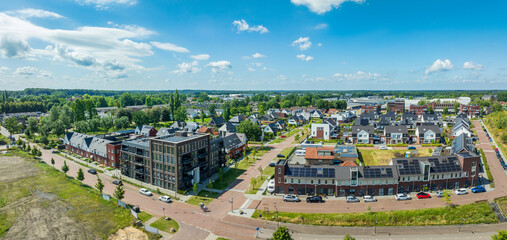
pixel 279 180
pixel 279 170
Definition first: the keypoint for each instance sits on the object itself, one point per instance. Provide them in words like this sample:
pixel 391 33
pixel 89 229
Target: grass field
pixel 492 122
pixel 373 157
pixel 258 183
pixel 80 207
pixel 475 213
pixel 166 225
pixel 144 216
pixel 201 197
pixel 502 203
pixel 488 170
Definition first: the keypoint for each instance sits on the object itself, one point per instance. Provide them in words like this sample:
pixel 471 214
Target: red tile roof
pixel 312 153
pixel 348 164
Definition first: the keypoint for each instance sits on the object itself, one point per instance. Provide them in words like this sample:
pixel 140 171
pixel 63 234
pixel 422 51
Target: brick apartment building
pixel 419 109
pixel 439 107
pixel 397 106
pixel 101 150
pixel 470 110
pixel 370 108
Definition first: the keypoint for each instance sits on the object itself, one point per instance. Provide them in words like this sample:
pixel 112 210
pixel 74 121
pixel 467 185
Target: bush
pixel 364 145
pixel 398 145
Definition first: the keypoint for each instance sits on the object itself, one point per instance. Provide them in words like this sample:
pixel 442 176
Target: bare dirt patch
pixel 14 168
pixel 129 233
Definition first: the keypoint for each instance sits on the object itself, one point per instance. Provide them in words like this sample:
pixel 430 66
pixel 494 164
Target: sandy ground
pixel 14 168
pixel 129 233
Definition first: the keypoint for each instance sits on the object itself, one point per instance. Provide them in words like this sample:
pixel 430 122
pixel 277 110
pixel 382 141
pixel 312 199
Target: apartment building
pixel 397 106
pixel 103 149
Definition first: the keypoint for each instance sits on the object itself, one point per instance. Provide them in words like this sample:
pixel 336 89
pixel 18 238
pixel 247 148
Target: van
pixel 300 152
pixel 271 186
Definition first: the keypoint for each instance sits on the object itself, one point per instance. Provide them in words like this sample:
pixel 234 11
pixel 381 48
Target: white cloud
pixel 322 6
pixel 281 77
pixel 219 66
pixel 109 51
pixel 242 25
pixel 258 55
pixel 3 69
pixel 32 72
pixel 473 66
pixel 30 12
pixel 439 66
pixel 358 76
pixel 321 26
pixel 104 4
pixel 190 67
pixel 169 47
pixel 200 57
pixel 251 69
pixel 302 43
pixel 319 44
pixel 304 57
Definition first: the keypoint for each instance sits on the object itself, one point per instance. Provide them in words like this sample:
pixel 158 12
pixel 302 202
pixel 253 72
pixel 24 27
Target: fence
pixel 134 213
pixel 122 204
pixel 106 197
pixel 151 229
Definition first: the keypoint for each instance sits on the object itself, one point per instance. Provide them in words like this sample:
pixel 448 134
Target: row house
pixel 146 130
pixel 370 108
pixel 297 120
pixel 427 134
pixel 234 144
pixel 395 135
pixel 470 110
pixel 362 134
pixel 103 151
pixel 439 107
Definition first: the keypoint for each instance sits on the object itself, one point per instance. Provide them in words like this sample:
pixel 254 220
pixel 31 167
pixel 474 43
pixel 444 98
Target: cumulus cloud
pixel 242 25
pixel 358 76
pixel 3 69
pixel 302 43
pixel 219 66
pixel 439 66
pixel 188 67
pixel 321 26
pixel 322 6
pixel 30 12
pixel 473 66
pixel 304 57
pixel 200 57
pixel 257 55
pixel 104 4
pixel 32 72
pixel 169 47
pixel 97 48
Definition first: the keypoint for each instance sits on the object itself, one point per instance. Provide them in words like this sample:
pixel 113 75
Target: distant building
pixel 397 106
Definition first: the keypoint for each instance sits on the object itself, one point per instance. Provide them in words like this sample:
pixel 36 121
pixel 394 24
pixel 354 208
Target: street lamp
pixel 163 210
pixel 232 204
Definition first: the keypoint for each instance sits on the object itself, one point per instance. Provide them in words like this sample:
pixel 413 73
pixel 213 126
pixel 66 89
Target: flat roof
pixel 178 139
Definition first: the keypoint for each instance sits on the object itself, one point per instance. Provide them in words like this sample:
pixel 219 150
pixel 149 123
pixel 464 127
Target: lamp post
pixel 163 210
pixel 232 204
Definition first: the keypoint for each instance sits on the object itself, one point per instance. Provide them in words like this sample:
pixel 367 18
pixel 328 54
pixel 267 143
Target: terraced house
pixel 101 150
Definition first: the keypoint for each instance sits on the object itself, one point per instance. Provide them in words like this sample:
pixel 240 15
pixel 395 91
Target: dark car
pixel 411 148
pixel 92 171
pixel 272 164
pixel 117 182
pixel 423 195
pixel 315 199
pixel 280 156
pixel 478 189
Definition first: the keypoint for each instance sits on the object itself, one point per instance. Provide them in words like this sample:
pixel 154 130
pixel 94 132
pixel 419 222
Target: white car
pixel 351 199
pixel 382 148
pixel 401 196
pixel 369 198
pixel 461 191
pixel 145 192
pixel 291 198
pixel 166 199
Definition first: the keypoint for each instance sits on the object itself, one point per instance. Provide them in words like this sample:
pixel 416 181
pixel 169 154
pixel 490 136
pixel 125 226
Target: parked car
pixel 369 198
pixel 382 148
pixel 291 198
pixel 315 199
pixel 423 195
pixel 145 192
pixel 166 199
pixel 272 164
pixel 280 156
pixel 478 189
pixel 283 136
pixel 117 182
pixel 55 151
pixel 461 191
pixel 411 148
pixel 401 197
pixel 136 209
pixel 352 199
pixel 441 193
pixel 271 186
pixel 92 171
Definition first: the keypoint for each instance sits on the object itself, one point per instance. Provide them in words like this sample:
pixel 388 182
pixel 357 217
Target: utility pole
pixel 232 204
pixel 163 210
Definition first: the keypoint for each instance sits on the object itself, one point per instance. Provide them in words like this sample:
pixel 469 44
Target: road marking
pixel 204 214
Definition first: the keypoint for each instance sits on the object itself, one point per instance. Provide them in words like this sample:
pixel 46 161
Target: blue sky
pixel 253 44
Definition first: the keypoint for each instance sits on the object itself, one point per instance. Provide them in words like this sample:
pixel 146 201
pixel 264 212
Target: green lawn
pixel 475 213
pixel 374 157
pixel 277 140
pixel 144 216
pixel 258 183
pixel 486 167
pixel 268 171
pixel 229 177
pixel 502 203
pixel 85 204
pixel 491 123
pixel 166 225
pixel 201 197
pixel 261 151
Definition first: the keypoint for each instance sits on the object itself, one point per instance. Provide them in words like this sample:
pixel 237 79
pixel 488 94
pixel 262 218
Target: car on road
pixel 280 156
pixel 291 198
pixel 442 194
pixel 369 198
pixel 402 196
pixel 166 199
pixel 352 199
pixel 314 199
pixel 117 182
pixel 92 171
pixel 423 195
pixel 283 136
pixel 478 189
pixel 272 164
pixel 382 148
pixel 55 151
pixel 461 191
pixel 411 148
pixel 145 192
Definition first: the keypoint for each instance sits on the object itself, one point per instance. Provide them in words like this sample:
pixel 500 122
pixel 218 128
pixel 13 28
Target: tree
pixel 501 235
pixel 180 114
pixel 203 116
pixel 32 125
pixel 126 100
pixel 81 126
pixel 166 114
pixel 12 125
pixel 120 123
pixel 446 110
pixel 122 112
pixel 119 192
pixel 348 237
pixel 282 233
pixel 212 109
pixel 58 128
pixel 253 181
pixel 430 110
pixel 94 125
pixel 497 107
pixel 53 162
pixel 251 131
pixel 148 102
pixel 446 197
pixel 65 168
pixel 456 107
pixel 107 122
pixel 80 175
pixel 195 188
pixel 99 185
pixel 296 137
pixel 141 118
pixel 78 108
